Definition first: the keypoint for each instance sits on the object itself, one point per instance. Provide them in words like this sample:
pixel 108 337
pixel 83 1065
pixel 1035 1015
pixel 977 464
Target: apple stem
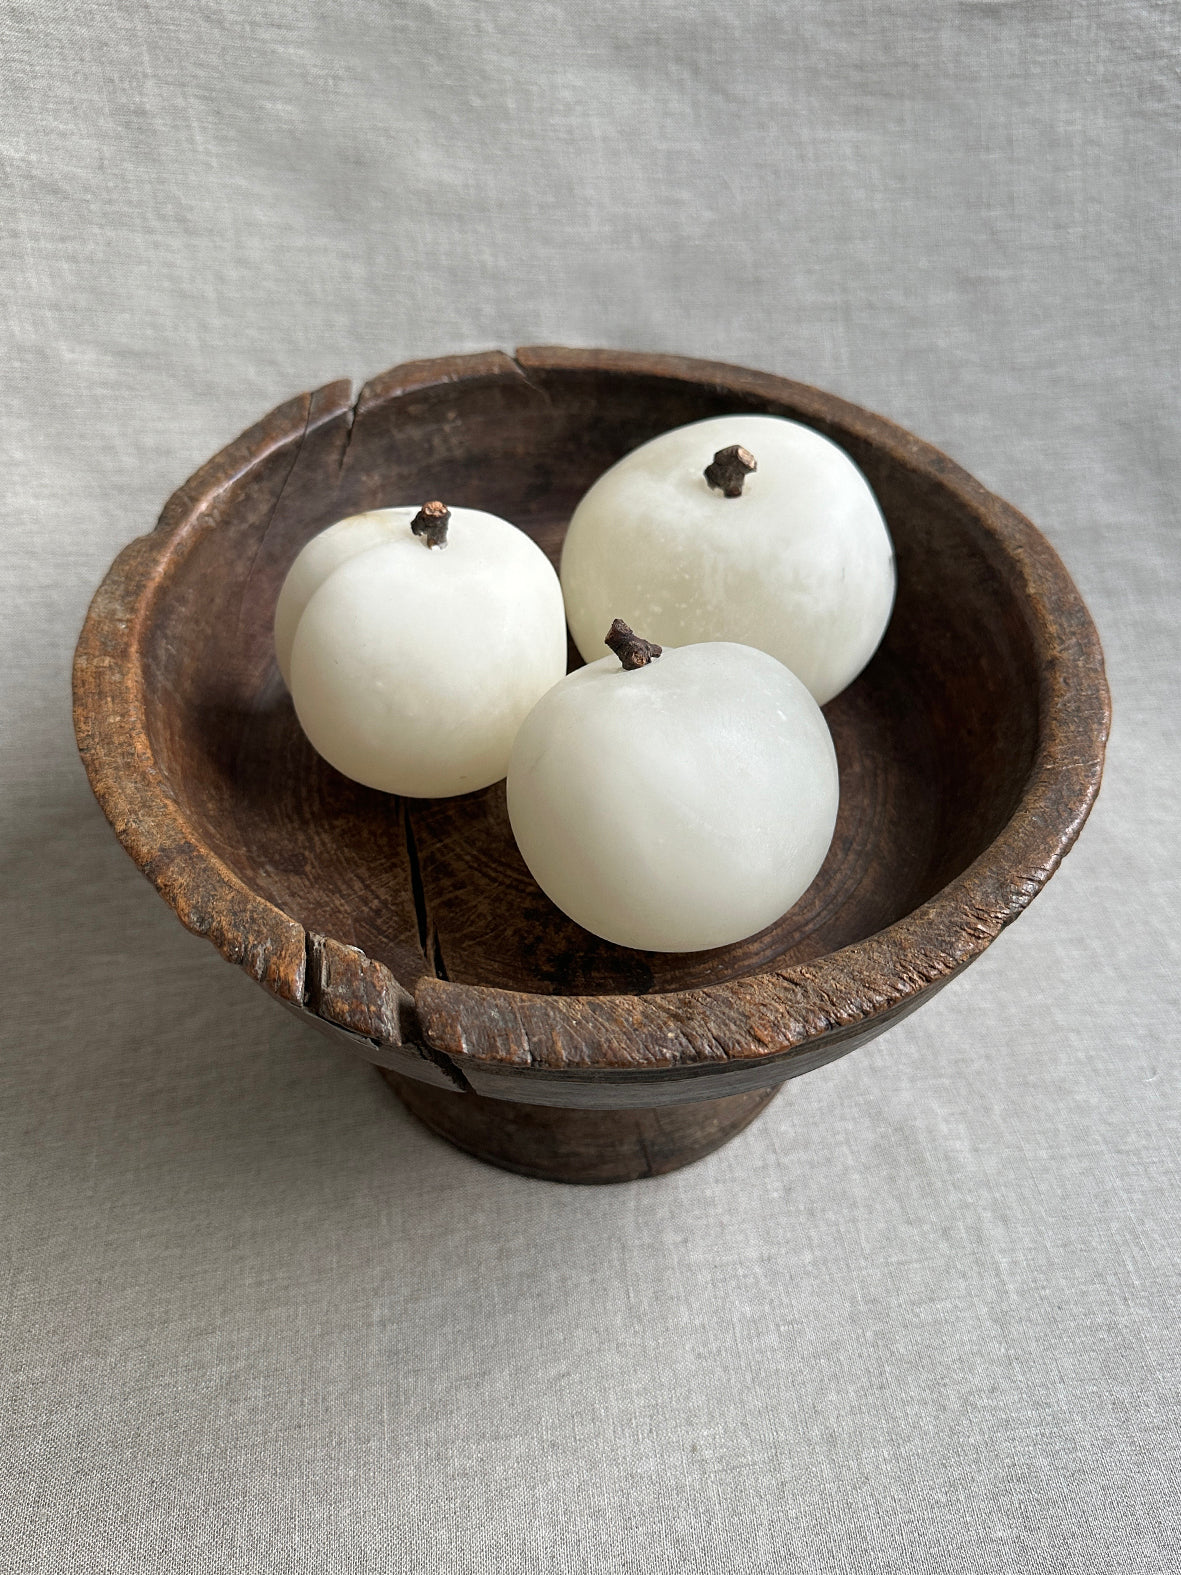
pixel 430 524
pixel 731 466
pixel 629 647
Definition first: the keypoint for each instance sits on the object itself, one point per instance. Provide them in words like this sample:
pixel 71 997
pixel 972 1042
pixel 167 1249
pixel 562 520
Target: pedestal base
pixel 588 1146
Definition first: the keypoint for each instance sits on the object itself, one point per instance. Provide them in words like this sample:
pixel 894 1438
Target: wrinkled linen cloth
pixel 921 1316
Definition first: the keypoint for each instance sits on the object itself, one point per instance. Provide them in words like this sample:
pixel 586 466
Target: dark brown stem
pixel 731 466
pixel 430 523
pixel 631 650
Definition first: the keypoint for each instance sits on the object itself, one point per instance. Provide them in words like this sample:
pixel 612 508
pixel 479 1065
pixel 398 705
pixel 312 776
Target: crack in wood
pixel 313 976
pixel 417 889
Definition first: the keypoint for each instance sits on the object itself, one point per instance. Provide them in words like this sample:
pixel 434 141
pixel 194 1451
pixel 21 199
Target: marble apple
pixel 674 800
pixel 748 528
pixel 416 641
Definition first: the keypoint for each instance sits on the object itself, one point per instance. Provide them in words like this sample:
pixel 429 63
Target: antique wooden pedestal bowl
pixel 970 752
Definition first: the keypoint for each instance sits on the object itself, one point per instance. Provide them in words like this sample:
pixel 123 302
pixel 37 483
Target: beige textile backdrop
pixel 922 1317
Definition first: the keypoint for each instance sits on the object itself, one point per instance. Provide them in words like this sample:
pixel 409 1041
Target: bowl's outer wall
pixel 987 705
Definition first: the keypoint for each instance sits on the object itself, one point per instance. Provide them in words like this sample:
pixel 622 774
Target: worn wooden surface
pixel 586 1146
pixel 970 750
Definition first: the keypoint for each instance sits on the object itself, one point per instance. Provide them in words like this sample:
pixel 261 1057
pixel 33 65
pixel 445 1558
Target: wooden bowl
pixel 970 753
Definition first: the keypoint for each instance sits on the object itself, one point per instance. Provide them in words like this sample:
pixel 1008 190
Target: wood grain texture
pixel 584 1146
pixel 970 750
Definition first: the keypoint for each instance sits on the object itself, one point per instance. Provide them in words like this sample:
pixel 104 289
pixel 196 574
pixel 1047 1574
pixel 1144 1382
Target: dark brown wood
pixel 970 750
pixel 587 1146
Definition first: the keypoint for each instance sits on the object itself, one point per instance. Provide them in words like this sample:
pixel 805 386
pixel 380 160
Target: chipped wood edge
pixel 110 724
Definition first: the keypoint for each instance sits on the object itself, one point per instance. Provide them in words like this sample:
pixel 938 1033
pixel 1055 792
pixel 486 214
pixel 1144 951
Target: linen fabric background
pixel 922 1315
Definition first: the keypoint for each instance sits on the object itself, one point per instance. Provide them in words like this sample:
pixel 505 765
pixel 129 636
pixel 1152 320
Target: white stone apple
pixel 678 803
pixel 784 547
pixel 415 642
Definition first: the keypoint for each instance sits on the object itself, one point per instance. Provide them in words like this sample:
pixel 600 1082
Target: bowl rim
pixel 784 1019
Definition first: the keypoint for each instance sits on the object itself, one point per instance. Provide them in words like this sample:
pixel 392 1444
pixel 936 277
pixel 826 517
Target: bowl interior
pixel 935 740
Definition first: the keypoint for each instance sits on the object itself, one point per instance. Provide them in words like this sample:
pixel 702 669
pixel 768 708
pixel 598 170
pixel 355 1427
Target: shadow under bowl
pixel 970 752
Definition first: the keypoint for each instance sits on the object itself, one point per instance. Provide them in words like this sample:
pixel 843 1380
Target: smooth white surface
pixel 801 565
pixel 921 1317
pixel 679 806
pixel 317 560
pixel 412 667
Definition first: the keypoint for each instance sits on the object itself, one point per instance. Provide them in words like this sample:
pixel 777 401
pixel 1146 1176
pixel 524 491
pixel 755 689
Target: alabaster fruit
pixel 746 528
pixel 674 801
pixel 415 642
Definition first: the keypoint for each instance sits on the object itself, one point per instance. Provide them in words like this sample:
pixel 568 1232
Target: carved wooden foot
pixel 580 1145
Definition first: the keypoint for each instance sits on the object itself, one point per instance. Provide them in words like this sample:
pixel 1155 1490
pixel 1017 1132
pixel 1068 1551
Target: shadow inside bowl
pixel 935 742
